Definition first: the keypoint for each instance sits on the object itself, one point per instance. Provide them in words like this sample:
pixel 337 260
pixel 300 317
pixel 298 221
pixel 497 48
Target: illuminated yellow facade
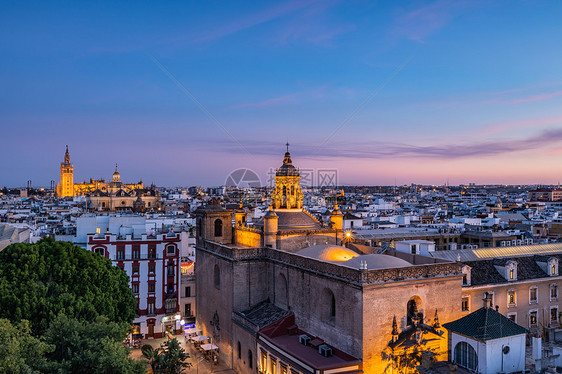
pixel 66 186
pixel 287 193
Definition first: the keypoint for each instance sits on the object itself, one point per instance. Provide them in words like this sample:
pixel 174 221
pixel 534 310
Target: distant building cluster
pixel 107 196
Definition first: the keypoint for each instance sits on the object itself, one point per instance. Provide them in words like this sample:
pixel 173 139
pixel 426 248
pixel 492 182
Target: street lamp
pixel 346 238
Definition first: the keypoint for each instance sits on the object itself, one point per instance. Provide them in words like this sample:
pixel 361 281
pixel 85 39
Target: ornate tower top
pixel 67 156
pixel 287 193
pixel 116 175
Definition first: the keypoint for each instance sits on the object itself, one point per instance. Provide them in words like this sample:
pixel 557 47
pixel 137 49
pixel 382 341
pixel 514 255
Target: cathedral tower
pixel 287 193
pixel 66 186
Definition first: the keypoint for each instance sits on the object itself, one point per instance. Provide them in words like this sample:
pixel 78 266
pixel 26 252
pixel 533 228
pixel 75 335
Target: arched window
pixel 100 250
pixel 292 190
pixel 217 277
pixel 284 190
pixel 333 307
pixel 413 309
pixel 250 358
pixel 465 356
pixel 218 227
pixel 239 351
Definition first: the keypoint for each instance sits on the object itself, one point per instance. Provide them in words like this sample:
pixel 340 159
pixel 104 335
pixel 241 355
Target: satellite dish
pixel 505 349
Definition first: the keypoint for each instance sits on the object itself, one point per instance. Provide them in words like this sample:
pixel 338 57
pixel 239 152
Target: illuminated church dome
pixel 325 252
pixel 116 175
pixel 287 169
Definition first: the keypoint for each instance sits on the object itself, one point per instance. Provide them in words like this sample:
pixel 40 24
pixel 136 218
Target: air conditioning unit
pixel 304 339
pixel 324 350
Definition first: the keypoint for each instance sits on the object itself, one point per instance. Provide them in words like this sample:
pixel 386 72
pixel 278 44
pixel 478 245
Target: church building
pixel 107 196
pixel 284 295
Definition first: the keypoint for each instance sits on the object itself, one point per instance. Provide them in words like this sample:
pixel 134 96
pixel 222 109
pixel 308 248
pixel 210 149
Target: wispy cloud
pixel 284 99
pixel 375 150
pixel 540 97
pixel 250 21
pixel 498 128
pixel 422 22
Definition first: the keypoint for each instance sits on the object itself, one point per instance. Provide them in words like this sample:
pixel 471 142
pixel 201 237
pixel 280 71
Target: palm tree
pixel 170 361
pixel 153 356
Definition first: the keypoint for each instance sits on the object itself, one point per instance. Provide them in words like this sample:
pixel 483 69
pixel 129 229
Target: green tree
pixel 93 347
pixel 166 361
pixel 20 352
pixel 42 280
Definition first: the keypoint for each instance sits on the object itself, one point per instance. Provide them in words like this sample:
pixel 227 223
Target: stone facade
pixel 241 268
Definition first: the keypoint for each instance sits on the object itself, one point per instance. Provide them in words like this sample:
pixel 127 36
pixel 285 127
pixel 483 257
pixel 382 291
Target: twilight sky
pixel 182 93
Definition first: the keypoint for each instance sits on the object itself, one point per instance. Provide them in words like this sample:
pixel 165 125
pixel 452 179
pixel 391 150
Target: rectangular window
pixel 187 291
pixel 170 270
pixel 120 253
pixel 171 249
pixel 533 318
pixel 151 287
pixel 273 365
pixel 512 316
pixel 135 269
pixel 152 251
pixel 554 314
pixel 511 300
pixel 533 295
pixel 150 307
pixel 136 252
pixel 464 280
pixel 135 288
pixel 511 273
pixel 188 310
pixel 263 360
pixel 151 268
pixel 465 303
pixel 553 292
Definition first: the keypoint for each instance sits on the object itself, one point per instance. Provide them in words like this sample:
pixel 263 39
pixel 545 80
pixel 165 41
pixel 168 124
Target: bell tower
pixel 66 186
pixel 287 193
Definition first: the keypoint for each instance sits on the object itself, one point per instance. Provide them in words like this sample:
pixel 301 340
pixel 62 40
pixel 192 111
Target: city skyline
pixel 184 94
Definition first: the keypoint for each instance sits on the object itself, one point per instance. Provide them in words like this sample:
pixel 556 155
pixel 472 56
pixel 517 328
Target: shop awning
pixel 209 347
pixel 193 330
pixel 199 338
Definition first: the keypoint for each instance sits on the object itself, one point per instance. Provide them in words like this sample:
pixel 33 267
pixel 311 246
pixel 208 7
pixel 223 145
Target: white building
pixel 416 246
pixel 487 342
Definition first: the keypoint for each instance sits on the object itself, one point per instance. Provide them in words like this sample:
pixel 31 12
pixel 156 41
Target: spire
pixel 287 144
pixel 436 324
pixel 394 329
pixel 66 156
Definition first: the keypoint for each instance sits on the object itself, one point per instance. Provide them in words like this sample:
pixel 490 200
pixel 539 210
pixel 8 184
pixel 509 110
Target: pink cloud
pixel 520 124
pixel 541 97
